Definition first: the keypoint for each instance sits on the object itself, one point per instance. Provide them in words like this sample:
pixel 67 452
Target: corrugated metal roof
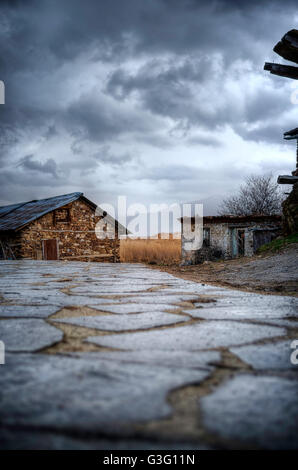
pixel 6 209
pixel 17 215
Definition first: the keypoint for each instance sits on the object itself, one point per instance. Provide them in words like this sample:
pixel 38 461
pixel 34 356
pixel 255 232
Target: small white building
pixel 229 236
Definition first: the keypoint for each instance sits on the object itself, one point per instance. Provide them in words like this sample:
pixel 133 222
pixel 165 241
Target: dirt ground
pixel 274 273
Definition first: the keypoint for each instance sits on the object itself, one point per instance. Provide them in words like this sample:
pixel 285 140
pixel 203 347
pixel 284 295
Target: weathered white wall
pixel 221 242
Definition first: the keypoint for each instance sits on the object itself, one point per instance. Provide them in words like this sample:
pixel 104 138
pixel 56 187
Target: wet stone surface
pixel 87 393
pixel 261 411
pixel 123 356
pixel 27 311
pixel 267 356
pixel 126 322
pixel 135 308
pixel 28 335
pixel 207 335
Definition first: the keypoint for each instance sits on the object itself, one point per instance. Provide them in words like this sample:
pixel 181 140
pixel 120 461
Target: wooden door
pixel 260 237
pixel 50 249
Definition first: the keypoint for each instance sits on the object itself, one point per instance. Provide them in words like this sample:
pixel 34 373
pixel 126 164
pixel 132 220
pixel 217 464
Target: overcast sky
pixel 160 100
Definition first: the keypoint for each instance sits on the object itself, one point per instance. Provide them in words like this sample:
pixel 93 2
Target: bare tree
pixel 260 195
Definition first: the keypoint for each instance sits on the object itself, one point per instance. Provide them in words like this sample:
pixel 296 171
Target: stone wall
pixel 219 240
pixel 290 212
pixel 76 238
pixel 249 240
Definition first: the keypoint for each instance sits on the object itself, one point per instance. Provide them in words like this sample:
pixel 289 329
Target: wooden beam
pixel 106 255
pixel 292 134
pixel 287 47
pixel 291 137
pixel 3 250
pixel 282 70
pixel 287 179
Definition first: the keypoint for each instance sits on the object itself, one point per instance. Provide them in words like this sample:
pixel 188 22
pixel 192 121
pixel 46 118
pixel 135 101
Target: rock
pixel 41 311
pixel 267 356
pixel 255 411
pixel 28 334
pixel 86 393
pixel 206 335
pixel 126 321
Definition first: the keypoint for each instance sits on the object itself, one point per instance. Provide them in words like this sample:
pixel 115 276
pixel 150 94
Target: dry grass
pixel 150 251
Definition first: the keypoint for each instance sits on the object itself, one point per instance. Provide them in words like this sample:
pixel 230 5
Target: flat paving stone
pixel 159 298
pixel 249 306
pixel 261 411
pixel 121 309
pixel 28 335
pixel 42 311
pixel 111 289
pixel 56 299
pixel 126 322
pixel 172 359
pixel 205 335
pixel 267 356
pixel 86 392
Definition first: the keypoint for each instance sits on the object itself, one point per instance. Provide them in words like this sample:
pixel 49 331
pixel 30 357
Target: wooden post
pixel 3 250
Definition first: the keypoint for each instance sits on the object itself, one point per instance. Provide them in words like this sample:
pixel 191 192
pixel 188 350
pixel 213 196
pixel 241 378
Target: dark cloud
pixel 135 75
pixel 190 93
pixel 92 118
pixel 158 75
pixel 28 163
pixel 106 156
pixel 41 36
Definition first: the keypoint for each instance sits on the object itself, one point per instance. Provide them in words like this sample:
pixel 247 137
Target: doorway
pixel 238 242
pixel 50 249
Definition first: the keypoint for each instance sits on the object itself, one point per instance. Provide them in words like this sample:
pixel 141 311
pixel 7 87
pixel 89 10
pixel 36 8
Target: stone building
pixel 229 237
pixel 61 227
